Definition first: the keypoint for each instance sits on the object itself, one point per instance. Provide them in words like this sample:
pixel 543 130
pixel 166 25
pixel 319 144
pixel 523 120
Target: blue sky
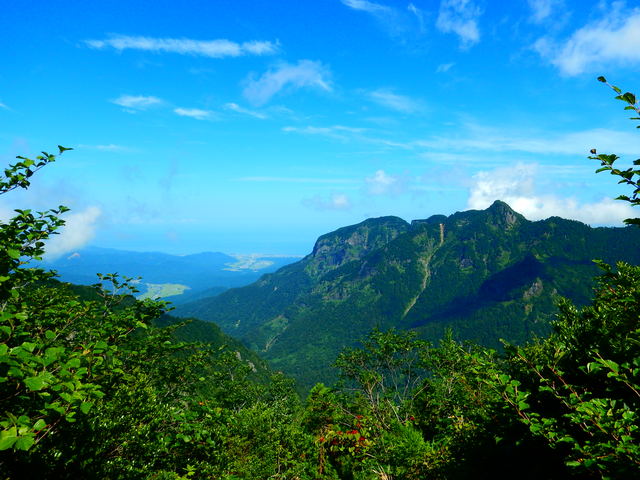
pixel 256 126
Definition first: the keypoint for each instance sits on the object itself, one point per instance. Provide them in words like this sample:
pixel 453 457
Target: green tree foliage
pixel 580 389
pixel 387 371
pixel 631 175
pixel 91 388
pixel 409 410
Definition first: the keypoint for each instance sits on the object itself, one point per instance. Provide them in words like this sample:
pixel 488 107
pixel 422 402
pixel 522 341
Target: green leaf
pixel 73 363
pixel 8 438
pixel 13 253
pixel 25 442
pixel 39 425
pixel 36 383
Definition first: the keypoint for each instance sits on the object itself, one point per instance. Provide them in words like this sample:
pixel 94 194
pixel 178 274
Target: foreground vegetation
pixel 91 387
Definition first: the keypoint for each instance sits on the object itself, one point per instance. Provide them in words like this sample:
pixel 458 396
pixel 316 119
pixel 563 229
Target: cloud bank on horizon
pixel 79 229
pixel 518 187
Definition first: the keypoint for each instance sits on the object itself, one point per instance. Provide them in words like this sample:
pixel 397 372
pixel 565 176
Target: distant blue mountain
pixel 207 271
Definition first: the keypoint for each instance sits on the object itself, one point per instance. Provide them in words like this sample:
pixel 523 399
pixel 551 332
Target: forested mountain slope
pixel 488 274
pixel 183 330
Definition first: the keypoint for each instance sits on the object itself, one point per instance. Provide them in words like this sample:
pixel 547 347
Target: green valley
pixel 162 290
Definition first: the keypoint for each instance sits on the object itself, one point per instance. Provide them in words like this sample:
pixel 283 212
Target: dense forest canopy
pixel 92 386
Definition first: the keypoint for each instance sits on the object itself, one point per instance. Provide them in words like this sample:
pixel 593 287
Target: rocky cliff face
pixel 353 243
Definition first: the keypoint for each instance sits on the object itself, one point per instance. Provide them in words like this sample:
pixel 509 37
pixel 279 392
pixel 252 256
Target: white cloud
pixel 381 183
pixel 400 103
pixel 419 15
pixel 295 180
pixel 365 6
pixel 234 107
pixel 403 26
pixel 336 201
pixel 105 148
pixel 2 105
pixel 136 102
pixel 613 39
pixel 516 186
pixel 472 142
pixel 193 113
pixel 339 132
pixel 78 230
pixel 460 17
pixel 542 9
pixel 323 130
pixel 304 74
pixel 444 67
pixel 490 139
pixel 185 46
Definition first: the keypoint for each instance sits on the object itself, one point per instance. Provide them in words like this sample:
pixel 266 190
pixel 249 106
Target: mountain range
pixel 177 277
pixel 486 274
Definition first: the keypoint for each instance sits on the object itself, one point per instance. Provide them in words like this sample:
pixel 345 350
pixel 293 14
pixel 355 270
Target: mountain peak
pixel 499 204
pixel 503 215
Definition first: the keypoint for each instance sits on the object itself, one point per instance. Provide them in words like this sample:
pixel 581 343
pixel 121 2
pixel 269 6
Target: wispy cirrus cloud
pixel 472 141
pixel 195 113
pixel 218 48
pixel 344 133
pixel 444 67
pixel 396 22
pixel 477 138
pixel 234 107
pixel 366 6
pixel 339 132
pixel 517 186
pixel 382 183
pixel 137 102
pixel 419 14
pixel 2 105
pixel 285 76
pixel 268 179
pixel 394 101
pixel 611 40
pixel 541 10
pixel 335 201
pixel 111 147
pixel 461 18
